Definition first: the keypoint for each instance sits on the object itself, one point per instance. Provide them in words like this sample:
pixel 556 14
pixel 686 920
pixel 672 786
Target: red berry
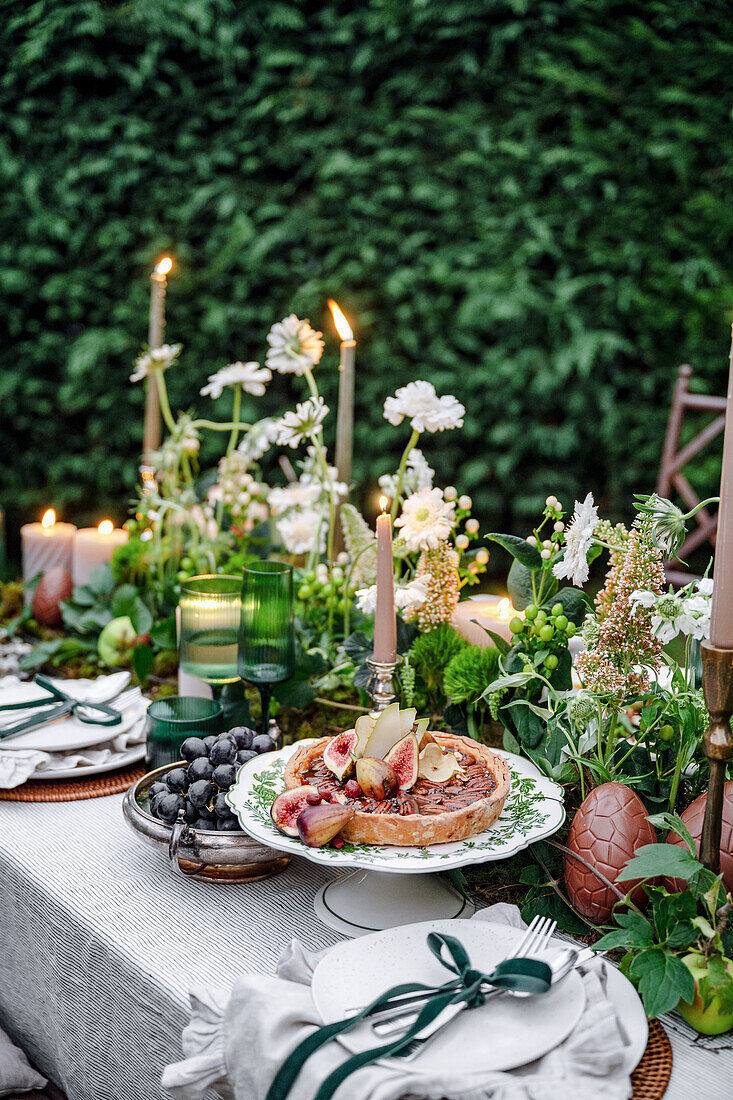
pixel 352 789
pixel 313 799
pixel 338 842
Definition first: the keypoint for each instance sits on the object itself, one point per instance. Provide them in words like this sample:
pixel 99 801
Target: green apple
pixel 710 1020
pixel 115 642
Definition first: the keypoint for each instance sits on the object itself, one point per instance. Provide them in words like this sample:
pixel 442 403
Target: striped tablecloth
pixel 100 943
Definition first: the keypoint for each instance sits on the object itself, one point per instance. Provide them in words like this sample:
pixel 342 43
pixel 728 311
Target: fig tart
pixel 426 788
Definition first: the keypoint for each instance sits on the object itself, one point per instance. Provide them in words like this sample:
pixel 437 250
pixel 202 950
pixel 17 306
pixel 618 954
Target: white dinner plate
pixel 501 1034
pixel 69 733
pixel 120 760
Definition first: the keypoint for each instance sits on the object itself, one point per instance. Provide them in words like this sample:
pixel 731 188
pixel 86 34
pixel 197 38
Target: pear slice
pixel 407 720
pixel 386 733
pixel 438 766
pixel 420 731
pixel 364 727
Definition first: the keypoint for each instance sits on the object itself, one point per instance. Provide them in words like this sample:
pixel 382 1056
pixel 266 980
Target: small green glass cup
pixel 170 721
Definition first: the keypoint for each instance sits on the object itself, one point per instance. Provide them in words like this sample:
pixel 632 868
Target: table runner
pixel 100 944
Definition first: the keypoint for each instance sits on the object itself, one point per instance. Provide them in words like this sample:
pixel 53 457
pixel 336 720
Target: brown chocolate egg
pixel 692 818
pixel 606 831
pixel 55 585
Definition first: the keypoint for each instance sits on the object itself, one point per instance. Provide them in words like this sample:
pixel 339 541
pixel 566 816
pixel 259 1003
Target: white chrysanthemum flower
pixel 578 541
pixel 426 411
pixel 407 597
pixel 426 520
pixel 295 495
pixel 670 616
pixel 154 360
pixel 293 427
pixel 250 376
pixel 301 531
pixel 418 475
pixel 295 347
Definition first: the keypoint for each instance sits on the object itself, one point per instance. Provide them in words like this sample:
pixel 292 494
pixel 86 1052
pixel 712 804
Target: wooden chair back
pixel 674 459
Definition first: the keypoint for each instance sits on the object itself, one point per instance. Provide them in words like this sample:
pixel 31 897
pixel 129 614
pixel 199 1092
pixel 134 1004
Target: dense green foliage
pixel 527 203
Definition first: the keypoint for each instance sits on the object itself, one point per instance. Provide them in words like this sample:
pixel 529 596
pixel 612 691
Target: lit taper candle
pixel 345 418
pixel 156 331
pixel 721 622
pixel 385 624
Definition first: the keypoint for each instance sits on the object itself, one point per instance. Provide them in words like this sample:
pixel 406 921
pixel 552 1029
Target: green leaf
pixel 142 661
pixel 501 643
pixel 141 616
pixel 574 604
pixel 634 931
pixel 654 860
pixel 663 980
pixel 519 585
pixel 705 927
pixel 520 549
pixel 294 693
pixel 665 820
pixel 510 743
pixel 163 634
pixel 123 600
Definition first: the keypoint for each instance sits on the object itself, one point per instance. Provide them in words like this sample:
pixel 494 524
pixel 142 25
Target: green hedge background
pixel 526 201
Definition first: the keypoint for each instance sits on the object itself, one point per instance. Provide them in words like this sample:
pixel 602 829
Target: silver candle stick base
pixel 380 685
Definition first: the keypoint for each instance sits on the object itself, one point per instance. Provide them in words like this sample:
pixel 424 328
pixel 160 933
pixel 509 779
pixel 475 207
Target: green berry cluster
pixel 321 592
pixel 540 635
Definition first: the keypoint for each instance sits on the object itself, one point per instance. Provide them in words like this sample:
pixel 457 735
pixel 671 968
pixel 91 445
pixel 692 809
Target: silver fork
pixel 535 947
pixel 532 942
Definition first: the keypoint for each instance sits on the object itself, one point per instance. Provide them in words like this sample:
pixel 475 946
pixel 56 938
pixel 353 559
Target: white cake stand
pixel 394 886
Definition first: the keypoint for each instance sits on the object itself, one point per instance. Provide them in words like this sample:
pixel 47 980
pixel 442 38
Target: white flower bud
pixel 450 493
pixel 559 526
pixel 552 502
pixel 462 542
pixel 482 557
pixel 472 526
pixel 547 544
pixel 545 554
pixel 531 540
pixel 465 502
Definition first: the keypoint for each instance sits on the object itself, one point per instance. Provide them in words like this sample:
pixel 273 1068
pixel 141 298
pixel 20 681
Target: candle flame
pixel 505 609
pixel 106 527
pixel 163 266
pixel 49 518
pixel 383 502
pixel 343 328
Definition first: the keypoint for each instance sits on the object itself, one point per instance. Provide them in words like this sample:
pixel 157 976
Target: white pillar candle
pixel 474 616
pixel 94 546
pixel 45 545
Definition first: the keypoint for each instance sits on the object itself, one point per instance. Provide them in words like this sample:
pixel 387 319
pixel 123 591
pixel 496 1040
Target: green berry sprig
pixel 541 635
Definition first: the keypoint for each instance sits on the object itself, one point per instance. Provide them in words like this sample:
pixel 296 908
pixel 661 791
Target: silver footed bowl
pixel 214 856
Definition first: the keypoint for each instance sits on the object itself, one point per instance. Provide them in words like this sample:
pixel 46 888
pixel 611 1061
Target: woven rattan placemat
pixel 651 1076
pixel 73 790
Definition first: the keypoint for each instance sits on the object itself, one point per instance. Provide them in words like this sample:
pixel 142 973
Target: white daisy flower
pixel 426 520
pixel 294 495
pixel 156 359
pixel 426 411
pixel 300 529
pixel 578 541
pixel 295 347
pixel 250 376
pixel 293 427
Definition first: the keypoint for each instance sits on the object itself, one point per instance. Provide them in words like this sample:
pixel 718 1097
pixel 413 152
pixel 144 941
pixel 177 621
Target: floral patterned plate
pixel 533 810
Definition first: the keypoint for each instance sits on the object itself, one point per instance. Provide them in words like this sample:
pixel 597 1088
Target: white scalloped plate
pixel 533 810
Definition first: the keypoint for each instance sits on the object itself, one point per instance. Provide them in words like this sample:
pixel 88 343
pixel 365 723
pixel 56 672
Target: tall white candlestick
pixel 156 331
pixel 721 621
pixel 385 623
pixel 345 416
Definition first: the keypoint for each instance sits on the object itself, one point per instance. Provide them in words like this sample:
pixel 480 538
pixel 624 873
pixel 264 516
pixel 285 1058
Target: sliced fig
pixel 287 807
pixel 386 733
pixel 376 778
pixel 364 726
pixel 338 755
pixel 438 766
pixel 319 824
pixel 404 757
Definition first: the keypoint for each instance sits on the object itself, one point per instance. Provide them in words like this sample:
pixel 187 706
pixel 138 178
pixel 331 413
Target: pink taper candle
pixel 385 624
pixel 721 623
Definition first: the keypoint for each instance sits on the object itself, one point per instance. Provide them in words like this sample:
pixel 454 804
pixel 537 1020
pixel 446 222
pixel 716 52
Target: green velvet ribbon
pixel 467 986
pixel 102 714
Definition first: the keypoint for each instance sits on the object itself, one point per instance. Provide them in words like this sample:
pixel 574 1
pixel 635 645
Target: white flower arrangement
pixel 418 475
pixel 427 412
pixel 685 612
pixel 426 520
pixel 306 420
pixel 407 597
pixel 250 376
pixel 578 541
pixel 296 494
pixel 295 347
pixel 259 439
pixel 156 359
pixel 302 531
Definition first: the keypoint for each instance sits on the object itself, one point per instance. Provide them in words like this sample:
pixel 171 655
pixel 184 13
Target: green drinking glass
pixel 267 634
pixel 170 721
pixel 210 613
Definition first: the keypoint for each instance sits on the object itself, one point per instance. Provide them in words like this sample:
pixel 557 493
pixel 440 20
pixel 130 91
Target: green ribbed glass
pixel 266 633
pixel 171 720
pixel 210 609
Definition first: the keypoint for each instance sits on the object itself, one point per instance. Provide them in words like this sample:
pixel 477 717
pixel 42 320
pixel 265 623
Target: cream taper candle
pixel 721 612
pixel 345 416
pixel 385 623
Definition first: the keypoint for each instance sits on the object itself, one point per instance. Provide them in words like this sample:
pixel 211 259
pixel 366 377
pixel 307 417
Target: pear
pixel 438 766
pixel 386 733
pixel 364 727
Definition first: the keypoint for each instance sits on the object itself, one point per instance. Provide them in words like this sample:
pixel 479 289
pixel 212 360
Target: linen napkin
pixel 237 1040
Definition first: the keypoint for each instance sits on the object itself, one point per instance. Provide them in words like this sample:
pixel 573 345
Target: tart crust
pixel 413 830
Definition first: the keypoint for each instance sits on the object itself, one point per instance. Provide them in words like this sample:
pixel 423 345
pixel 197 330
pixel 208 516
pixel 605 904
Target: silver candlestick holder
pixel 380 686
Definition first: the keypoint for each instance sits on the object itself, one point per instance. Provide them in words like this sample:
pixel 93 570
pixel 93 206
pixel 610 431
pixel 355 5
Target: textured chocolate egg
pixel 692 818
pixel 606 831
pixel 54 586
